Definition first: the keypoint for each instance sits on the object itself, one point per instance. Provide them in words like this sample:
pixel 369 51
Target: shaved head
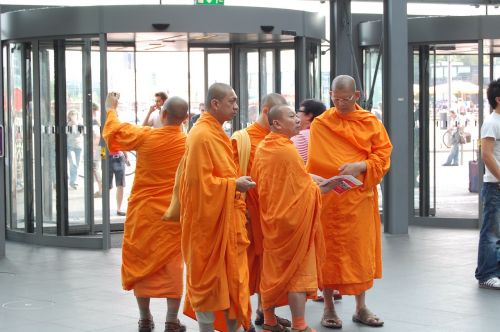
pixel 272 99
pixel 216 91
pixel 277 112
pixel 175 109
pixel 343 82
pixel 283 120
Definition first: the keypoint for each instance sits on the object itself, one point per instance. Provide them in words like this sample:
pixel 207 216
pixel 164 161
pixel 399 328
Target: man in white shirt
pixel 153 118
pixel 488 261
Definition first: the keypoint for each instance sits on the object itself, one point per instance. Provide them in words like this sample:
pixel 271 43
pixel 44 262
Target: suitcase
pixel 473 172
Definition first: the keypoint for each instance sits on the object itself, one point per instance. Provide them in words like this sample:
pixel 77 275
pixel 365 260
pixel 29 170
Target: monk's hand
pixel 112 100
pixel 317 179
pixel 353 169
pixel 244 183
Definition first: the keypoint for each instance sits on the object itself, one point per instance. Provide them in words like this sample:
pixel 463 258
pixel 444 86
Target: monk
pixel 348 140
pixel 290 206
pixel 245 143
pixel 152 264
pixel 212 213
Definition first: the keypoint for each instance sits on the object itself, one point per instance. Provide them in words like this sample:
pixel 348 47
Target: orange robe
pixel 290 207
pixel 351 221
pixel 151 253
pixel 214 239
pixel 254 252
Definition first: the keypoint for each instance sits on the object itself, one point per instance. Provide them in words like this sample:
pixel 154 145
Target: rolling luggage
pixel 473 172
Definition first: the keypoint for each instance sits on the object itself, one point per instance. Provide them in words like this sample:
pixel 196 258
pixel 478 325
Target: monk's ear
pixel 213 103
pixel 265 110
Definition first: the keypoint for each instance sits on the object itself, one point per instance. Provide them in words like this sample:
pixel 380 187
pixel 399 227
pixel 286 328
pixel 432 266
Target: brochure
pixel 339 184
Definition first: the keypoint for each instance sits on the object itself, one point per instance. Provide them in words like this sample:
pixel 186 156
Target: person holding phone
pixel 153 118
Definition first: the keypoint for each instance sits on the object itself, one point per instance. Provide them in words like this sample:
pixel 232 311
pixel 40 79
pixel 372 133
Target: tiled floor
pixel 428 285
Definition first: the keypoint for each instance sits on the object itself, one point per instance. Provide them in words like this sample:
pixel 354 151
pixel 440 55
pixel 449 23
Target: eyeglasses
pixel 346 100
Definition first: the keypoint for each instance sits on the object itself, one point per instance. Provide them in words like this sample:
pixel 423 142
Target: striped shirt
pixel 301 142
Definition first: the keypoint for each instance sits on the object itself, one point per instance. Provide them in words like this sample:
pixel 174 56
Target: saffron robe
pixel 290 207
pixel 351 221
pixel 151 252
pixel 254 252
pixel 214 239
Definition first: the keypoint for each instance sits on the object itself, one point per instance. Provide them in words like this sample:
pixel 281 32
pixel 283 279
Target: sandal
pixel 366 317
pixel 251 328
pixel 174 327
pixel 307 329
pixel 259 319
pixel 332 321
pixel 276 328
pixel 146 324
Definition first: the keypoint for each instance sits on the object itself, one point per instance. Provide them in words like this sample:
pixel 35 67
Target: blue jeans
pixel 453 156
pixel 488 258
pixel 73 163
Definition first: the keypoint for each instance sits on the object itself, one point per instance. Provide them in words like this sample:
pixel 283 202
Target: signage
pixel 209 2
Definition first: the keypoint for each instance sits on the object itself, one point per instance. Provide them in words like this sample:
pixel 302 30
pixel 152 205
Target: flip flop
pixel 307 329
pixel 259 319
pixel 275 328
pixel 332 322
pixel 366 317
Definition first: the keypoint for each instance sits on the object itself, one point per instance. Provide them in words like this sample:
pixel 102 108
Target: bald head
pixel 272 99
pixel 175 110
pixel 283 120
pixel 216 91
pixel 344 82
pixel 277 113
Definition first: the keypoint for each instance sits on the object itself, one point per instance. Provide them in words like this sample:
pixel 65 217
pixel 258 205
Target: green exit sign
pixel 209 2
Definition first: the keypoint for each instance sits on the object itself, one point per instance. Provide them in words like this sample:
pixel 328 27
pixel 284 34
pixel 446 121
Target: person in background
pixel 195 117
pixel 153 118
pixel 488 255
pixel 74 141
pixel 308 110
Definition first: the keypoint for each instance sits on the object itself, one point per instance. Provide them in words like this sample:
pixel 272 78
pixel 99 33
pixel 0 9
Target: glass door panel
pixel 249 87
pixel 98 144
pixel 122 78
pixel 17 124
pixel 76 133
pixel 196 82
pixel 287 64
pixel 218 66
pixel 48 137
pixel 446 120
pixel 268 75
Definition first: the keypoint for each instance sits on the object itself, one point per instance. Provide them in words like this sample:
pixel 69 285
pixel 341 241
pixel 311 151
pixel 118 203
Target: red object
pixel 18 100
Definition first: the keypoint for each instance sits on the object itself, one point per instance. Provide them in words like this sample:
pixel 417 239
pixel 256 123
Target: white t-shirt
pixel 491 128
pixel 155 119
